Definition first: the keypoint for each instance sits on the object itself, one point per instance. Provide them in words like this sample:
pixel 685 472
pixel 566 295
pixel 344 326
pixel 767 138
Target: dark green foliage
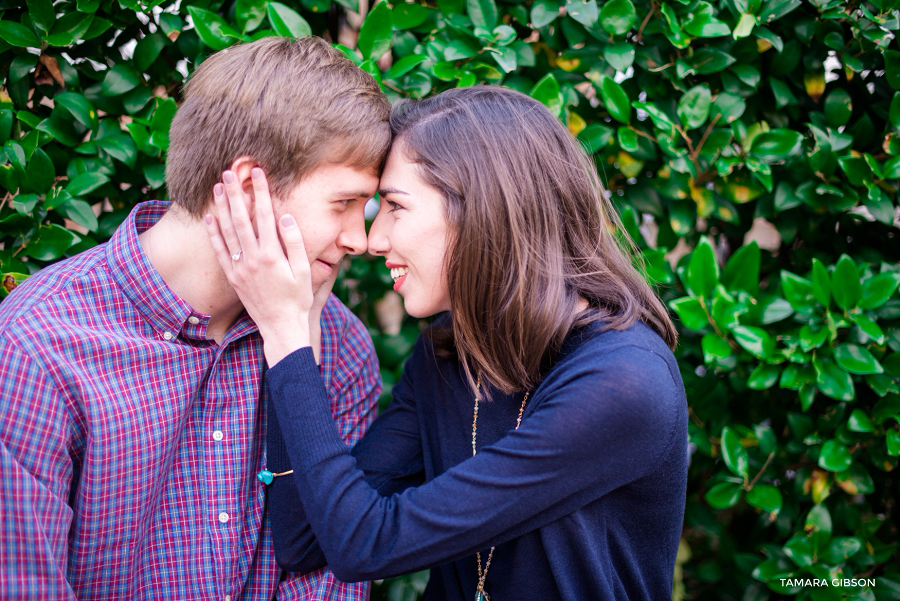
pixel 715 125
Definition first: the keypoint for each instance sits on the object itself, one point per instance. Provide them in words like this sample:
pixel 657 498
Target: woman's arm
pixel 390 456
pixel 598 427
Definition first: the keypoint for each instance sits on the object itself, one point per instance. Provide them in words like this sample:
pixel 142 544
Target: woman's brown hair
pixel 534 233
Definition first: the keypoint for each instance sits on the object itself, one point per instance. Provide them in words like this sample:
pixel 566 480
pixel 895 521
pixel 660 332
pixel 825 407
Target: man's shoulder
pixel 58 293
pixel 344 332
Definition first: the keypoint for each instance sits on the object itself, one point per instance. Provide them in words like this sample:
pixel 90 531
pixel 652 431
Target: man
pixel 131 391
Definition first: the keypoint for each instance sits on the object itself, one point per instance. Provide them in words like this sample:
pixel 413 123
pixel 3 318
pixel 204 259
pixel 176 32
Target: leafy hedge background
pixel 751 147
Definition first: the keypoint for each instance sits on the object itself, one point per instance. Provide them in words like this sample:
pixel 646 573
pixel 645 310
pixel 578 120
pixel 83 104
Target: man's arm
pixel 35 475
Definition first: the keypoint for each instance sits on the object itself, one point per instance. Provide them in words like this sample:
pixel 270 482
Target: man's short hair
pixel 292 105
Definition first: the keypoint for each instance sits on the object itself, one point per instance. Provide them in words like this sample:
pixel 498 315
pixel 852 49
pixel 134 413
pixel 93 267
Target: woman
pixel 554 364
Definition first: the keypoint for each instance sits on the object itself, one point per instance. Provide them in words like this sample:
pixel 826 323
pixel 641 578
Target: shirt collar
pixel 142 284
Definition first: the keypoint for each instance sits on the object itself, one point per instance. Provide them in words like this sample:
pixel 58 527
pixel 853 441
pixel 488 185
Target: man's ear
pixel 241 168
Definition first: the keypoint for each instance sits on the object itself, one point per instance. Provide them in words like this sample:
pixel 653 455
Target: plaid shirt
pixel 129 443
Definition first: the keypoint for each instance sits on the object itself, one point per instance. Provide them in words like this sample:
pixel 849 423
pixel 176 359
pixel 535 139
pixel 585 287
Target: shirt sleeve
pixel 36 475
pixel 598 426
pixel 391 460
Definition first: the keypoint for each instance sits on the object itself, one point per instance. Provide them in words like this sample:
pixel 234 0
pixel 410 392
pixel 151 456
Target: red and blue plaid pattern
pixel 129 443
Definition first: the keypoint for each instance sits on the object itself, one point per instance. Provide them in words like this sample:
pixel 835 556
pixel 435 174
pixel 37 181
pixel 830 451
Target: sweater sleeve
pixel 389 455
pixel 598 425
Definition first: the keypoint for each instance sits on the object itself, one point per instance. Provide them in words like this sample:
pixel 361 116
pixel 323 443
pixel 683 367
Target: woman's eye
pixel 393 205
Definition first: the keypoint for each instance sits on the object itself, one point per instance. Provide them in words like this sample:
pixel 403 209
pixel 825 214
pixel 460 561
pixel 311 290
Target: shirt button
pixel 223 517
pixel 217 435
pixel 193 320
pixel 168 336
pixel 227 597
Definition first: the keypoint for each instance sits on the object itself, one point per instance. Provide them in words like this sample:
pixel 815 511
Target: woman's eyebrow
pixel 386 191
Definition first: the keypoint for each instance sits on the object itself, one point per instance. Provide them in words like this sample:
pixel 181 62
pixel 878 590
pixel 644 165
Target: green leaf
pixel 544 12
pixel 838 108
pixel 547 92
pixel 856 480
pixel 895 111
pixel 694 106
pixel 763 377
pixel 61 129
pixel 161 122
pixel 628 139
pixel 711 60
pixel 50 243
pixel 892 68
pixel 857 359
pixel 482 12
pixel 703 270
pixel 821 282
pixel 39 174
pixel 742 269
pixel 660 119
pixel 375 35
pixel 250 14
pixel 617 17
pixel 407 15
pixel 714 348
pixel 723 495
pixel 841 549
pixel 776 144
pixel 405 65
pixel 42 14
pixel 22 66
pixel 69 28
pixel 755 341
pixel 833 381
pixel 147 50
pixel 690 312
pixel 877 290
pixel 869 327
pixel 81 213
pixel 892 439
pixel 810 339
pixel 834 457
pixel 119 146
pixel 85 183
pixel 16 34
pixel 767 498
pixel 744 27
pixel 155 175
pixel 615 100
pixel 818 525
pixel 620 56
pixel 120 79
pixel 798 291
pixel 170 24
pixel 727 108
pixel 214 31
pixel 800 550
pixel 860 422
pixel 775 9
pixel 595 137
pixel 845 286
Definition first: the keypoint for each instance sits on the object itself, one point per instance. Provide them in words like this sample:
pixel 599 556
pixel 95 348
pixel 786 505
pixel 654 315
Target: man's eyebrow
pixel 358 194
pixel 386 191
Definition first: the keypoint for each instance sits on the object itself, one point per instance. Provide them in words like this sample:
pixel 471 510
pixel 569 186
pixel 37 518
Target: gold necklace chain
pixel 480 595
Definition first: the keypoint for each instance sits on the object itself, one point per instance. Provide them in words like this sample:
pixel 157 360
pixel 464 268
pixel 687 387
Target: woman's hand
pixel 276 290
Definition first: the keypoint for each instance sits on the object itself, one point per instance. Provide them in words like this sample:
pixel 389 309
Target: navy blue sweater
pixel 584 501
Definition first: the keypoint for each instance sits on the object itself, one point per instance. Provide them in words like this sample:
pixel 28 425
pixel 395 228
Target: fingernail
pixel 228 177
pixel 256 173
pixel 218 189
pixel 209 219
pixel 287 220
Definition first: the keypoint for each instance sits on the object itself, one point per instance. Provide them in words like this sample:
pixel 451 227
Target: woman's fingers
pixel 223 254
pixel 224 224
pixel 265 214
pixel 292 239
pixel 240 218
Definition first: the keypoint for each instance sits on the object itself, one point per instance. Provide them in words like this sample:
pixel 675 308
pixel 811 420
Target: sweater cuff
pixel 298 393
